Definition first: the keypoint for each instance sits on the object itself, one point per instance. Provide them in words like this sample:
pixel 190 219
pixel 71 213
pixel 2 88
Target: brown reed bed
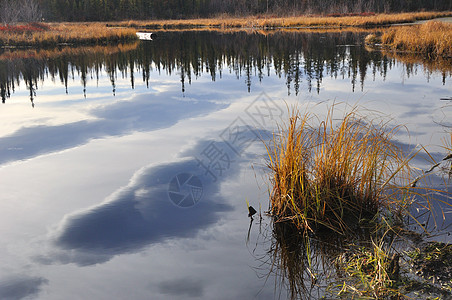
pixel 432 39
pixel 267 22
pixel 268 32
pixel 334 176
pixel 67 33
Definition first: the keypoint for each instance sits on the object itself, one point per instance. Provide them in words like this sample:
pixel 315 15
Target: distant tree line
pixel 104 10
pixel 12 11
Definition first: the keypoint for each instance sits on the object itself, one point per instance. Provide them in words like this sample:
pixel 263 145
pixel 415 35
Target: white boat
pixel 145 36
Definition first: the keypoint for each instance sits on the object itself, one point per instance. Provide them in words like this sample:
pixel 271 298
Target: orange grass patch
pixel 432 38
pixel 335 175
pixel 68 33
pixel 299 21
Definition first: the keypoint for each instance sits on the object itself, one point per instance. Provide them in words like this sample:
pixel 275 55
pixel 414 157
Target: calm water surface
pixel 125 170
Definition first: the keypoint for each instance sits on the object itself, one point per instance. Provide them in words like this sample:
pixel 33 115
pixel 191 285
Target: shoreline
pixel 298 22
pixel 432 39
pixel 51 35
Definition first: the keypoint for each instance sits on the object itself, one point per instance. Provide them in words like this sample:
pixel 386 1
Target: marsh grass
pixel 432 39
pixel 267 22
pixel 345 174
pixel 68 33
pixel 334 176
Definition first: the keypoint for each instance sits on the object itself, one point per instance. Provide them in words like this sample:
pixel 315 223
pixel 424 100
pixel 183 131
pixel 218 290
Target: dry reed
pixel 267 22
pixel 68 33
pixel 334 177
pixel 433 39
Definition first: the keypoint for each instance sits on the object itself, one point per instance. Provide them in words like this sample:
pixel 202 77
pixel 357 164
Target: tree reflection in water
pixel 296 56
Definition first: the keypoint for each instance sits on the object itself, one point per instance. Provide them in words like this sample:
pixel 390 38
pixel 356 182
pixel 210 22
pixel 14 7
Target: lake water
pixel 126 171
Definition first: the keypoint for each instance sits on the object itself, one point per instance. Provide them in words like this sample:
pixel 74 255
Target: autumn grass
pixel 343 181
pixel 268 22
pixel 334 177
pixel 68 33
pixel 432 39
pixel 267 32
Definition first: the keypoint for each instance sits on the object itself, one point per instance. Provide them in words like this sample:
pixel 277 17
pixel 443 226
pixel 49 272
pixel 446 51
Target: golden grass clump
pixel 432 38
pixel 334 176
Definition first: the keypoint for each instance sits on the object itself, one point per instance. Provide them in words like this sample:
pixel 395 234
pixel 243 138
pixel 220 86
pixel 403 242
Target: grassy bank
pixel 266 22
pixel 434 39
pixel 51 35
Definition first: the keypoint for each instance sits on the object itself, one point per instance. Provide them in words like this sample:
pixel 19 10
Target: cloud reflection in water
pixel 142 113
pixel 141 214
pixel 20 287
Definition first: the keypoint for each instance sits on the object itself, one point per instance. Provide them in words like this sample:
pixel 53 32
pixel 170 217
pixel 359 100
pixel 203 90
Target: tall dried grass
pixel 335 173
pixel 335 176
pixel 299 21
pixel 432 38
pixel 69 33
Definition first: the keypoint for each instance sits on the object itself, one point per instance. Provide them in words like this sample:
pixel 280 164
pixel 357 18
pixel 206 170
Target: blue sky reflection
pixel 143 113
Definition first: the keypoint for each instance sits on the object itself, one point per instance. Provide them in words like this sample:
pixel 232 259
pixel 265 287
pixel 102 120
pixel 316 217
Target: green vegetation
pixel 370 272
